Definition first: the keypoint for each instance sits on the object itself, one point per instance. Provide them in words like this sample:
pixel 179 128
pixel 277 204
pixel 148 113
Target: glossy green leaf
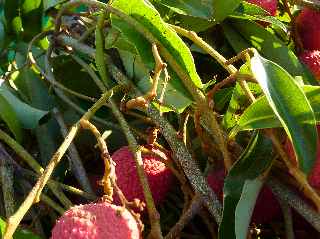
pixel 260 115
pixel 223 8
pixel 149 18
pixel 238 201
pixel 31 5
pixel 245 206
pixel 9 116
pixel 253 12
pixel 242 34
pixel 195 8
pixel 2 36
pixel 238 104
pixel 290 104
pixel 28 116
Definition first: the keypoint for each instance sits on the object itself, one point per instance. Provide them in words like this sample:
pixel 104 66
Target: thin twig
pixel 287 218
pixel 76 162
pixel 187 216
pixel 34 165
pixel 7 172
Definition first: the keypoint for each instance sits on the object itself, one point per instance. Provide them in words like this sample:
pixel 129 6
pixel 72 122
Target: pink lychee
pixel 268 5
pixel 312 60
pixel 96 221
pixel 266 208
pixel 308 27
pixel 314 175
pixel 159 176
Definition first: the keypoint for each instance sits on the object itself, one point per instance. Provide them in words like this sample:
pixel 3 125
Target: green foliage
pixel 290 108
pixel 242 185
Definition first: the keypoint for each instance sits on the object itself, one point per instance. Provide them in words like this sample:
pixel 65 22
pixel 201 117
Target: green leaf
pixel 253 12
pixel 237 104
pixel 260 115
pixel 9 116
pixel 30 5
pixel 254 35
pixel 245 206
pixel 28 116
pixel 19 234
pixel 252 163
pixel 289 103
pixel 149 18
pixel 2 36
pixel 195 8
pixel 50 3
pixel 223 8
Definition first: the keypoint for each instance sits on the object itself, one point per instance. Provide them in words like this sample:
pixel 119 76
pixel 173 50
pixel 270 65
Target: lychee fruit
pixel 96 221
pixel 269 5
pixel 266 208
pixel 307 25
pixel 160 178
pixel 312 60
pixel 314 175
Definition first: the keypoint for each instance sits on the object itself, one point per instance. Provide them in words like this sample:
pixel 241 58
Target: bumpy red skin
pixel 159 176
pixel 308 26
pixel 268 5
pixel 312 60
pixel 267 206
pixel 314 176
pixel 96 221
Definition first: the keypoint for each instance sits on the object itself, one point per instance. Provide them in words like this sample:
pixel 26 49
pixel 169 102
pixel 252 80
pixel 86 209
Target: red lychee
pixel 96 221
pixel 268 5
pixel 266 208
pixel 308 27
pixel 314 175
pixel 159 176
pixel 312 61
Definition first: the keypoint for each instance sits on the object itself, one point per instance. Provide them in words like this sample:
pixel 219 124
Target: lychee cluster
pixel 266 208
pixel 307 24
pixel 96 221
pixel 159 176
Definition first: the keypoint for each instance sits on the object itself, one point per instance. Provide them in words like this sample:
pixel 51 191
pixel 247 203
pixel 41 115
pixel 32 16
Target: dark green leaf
pixel 223 8
pixel 195 8
pixel 9 116
pixel 267 43
pixel 238 104
pixel 260 115
pixel 253 12
pixel 245 206
pixel 150 19
pixel 290 104
pixel 253 162
pixel 28 116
